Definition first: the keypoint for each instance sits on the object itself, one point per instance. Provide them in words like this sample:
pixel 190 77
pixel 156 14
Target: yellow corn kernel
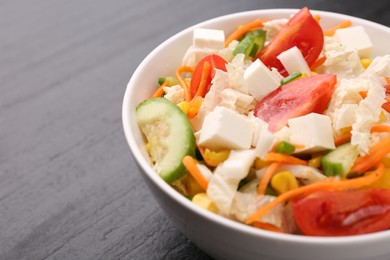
pixel 304 75
pixel 315 162
pixel 383 182
pixel 284 181
pixel 313 73
pixel 191 185
pixel 185 106
pixel 203 200
pixel 382 117
pixel 216 156
pixel 259 163
pixel 365 62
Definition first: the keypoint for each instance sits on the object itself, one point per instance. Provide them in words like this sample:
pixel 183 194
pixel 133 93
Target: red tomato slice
pixel 343 213
pixel 301 31
pixel 215 62
pixel 297 98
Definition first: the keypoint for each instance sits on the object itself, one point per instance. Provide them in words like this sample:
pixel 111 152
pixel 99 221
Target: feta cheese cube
pixel 259 79
pixel 293 61
pixel 225 129
pixel 314 131
pixel 209 38
pixel 355 38
pixel 263 140
pixel 237 165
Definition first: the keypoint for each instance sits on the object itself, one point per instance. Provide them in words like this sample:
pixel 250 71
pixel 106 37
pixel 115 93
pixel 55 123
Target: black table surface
pixel 69 188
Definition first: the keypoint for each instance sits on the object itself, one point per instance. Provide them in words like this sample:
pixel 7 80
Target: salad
pixel 282 125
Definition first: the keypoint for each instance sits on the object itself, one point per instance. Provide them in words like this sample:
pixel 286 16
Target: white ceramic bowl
pixel 220 237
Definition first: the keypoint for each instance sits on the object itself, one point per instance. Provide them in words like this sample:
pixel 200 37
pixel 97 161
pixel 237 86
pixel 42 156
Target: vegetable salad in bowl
pixel 281 125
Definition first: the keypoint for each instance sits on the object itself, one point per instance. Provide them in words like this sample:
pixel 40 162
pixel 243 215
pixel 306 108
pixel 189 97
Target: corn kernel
pixel 383 182
pixel 259 163
pixel 203 200
pixel 216 157
pixel 185 106
pixel 191 185
pixel 365 62
pixel 315 162
pixel 313 73
pixel 284 181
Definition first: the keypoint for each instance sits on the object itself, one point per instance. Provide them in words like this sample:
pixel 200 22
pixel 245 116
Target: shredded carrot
pixel 375 154
pixel 331 31
pixel 183 83
pixel 283 158
pixel 267 177
pixel 386 106
pixel 243 30
pixel 190 164
pixel 160 90
pixel 195 104
pixel 267 226
pixel 318 63
pixel 317 17
pixel 327 184
pixel 203 79
pixel 342 139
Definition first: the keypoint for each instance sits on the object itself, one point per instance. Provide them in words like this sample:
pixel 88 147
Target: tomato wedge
pixel 343 213
pixel 215 62
pixel 301 31
pixel 297 98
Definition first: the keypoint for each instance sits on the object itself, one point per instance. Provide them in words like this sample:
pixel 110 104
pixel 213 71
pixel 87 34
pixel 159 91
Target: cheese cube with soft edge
pixel 293 61
pixel 263 140
pixel 260 80
pixel 225 129
pixel 208 38
pixel 314 131
pixel 355 38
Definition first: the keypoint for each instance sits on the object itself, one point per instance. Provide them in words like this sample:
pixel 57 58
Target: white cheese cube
pixel 345 116
pixel 208 38
pixel 260 80
pixel 237 101
pixel 194 54
pixel 263 140
pixel 314 131
pixel 293 61
pixel 225 129
pixel 355 38
pixel 237 165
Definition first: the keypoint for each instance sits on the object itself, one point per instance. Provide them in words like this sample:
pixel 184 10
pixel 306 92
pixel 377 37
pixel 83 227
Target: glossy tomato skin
pixel 297 98
pixel 216 62
pixel 343 213
pixel 302 31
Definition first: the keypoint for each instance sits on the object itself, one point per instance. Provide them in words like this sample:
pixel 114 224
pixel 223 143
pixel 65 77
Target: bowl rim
pixel 215 218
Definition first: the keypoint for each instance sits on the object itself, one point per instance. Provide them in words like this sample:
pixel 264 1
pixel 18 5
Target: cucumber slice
pixel 339 161
pixel 169 134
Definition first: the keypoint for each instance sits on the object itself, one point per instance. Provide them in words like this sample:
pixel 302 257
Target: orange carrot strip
pixel 375 154
pixel 331 31
pixel 318 63
pixel 283 158
pixel 243 30
pixel 327 184
pixel 203 79
pixel 342 139
pixel 183 83
pixel 317 17
pixel 266 178
pixel 195 104
pixel 160 90
pixel 190 164
pixel 267 226
pixel 386 106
